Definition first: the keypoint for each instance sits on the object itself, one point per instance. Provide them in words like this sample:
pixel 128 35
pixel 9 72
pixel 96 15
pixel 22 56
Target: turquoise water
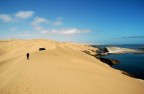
pixel 129 62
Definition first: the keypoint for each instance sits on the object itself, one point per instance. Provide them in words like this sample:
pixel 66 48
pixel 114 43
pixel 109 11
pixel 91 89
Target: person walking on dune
pixel 27 56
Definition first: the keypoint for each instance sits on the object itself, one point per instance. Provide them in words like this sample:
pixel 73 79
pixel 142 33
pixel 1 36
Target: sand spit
pixel 61 69
pixel 117 50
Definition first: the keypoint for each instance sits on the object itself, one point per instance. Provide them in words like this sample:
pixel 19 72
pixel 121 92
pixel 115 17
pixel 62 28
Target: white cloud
pixel 38 28
pixel 59 18
pixel 16 16
pixel 24 14
pixel 13 29
pixel 44 31
pixel 57 23
pixel 27 31
pixel 6 18
pixel 38 20
pixel 70 31
pixel 36 24
pixel 24 35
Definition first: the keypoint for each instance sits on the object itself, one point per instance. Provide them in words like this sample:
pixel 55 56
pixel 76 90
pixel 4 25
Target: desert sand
pixel 60 69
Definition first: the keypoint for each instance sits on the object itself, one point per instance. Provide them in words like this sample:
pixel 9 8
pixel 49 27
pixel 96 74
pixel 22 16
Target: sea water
pixel 129 62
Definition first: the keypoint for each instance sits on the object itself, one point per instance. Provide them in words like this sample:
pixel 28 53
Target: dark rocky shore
pixel 110 62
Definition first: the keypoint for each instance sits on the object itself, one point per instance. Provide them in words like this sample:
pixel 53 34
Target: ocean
pixel 129 62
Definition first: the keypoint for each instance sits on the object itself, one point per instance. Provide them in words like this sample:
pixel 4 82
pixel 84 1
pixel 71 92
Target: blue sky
pixel 86 21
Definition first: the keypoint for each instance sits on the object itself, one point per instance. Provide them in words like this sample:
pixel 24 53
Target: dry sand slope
pixel 61 69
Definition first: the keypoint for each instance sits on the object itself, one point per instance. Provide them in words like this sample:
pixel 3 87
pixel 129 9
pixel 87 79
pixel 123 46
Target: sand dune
pixel 61 69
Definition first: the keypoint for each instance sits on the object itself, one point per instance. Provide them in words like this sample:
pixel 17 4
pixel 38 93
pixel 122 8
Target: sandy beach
pixel 63 68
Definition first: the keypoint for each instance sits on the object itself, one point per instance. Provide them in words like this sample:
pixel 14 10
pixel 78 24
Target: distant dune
pixel 60 69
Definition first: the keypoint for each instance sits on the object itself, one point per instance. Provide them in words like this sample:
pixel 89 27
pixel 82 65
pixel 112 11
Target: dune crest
pixel 60 69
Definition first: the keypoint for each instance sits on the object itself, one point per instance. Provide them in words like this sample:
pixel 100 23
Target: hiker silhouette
pixel 27 56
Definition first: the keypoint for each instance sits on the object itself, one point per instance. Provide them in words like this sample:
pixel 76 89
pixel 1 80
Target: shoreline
pixel 110 62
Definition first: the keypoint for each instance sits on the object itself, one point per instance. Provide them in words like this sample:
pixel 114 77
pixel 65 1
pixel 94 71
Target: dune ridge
pixel 61 69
